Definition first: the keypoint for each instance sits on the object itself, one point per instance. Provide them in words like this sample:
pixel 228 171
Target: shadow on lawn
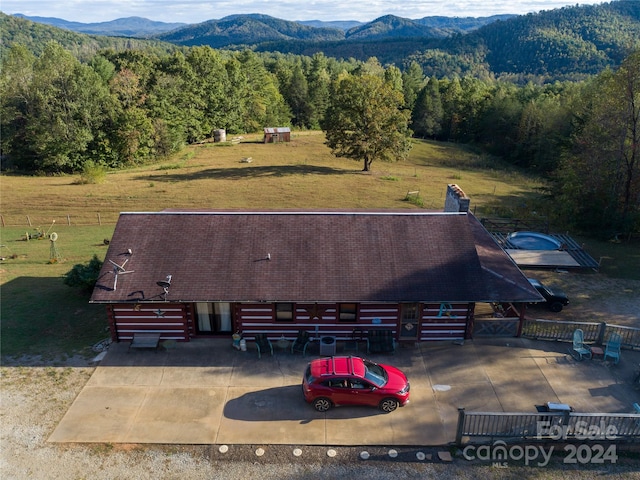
pixel 250 171
pixel 42 318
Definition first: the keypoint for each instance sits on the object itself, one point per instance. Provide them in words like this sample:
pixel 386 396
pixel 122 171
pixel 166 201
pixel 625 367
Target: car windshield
pixel 375 374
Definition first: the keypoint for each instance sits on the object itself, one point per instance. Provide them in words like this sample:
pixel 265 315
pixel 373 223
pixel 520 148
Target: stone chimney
pixel 456 200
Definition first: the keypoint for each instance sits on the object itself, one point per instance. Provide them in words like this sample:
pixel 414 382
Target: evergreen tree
pixel 427 115
pixel 208 86
pixel 452 103
pixel 297 95
pixel 393 77
pixel 412 82
pixel 319 81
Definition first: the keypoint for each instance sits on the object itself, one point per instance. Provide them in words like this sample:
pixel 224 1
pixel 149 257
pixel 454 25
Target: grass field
pixel 297 175
pixel 42 316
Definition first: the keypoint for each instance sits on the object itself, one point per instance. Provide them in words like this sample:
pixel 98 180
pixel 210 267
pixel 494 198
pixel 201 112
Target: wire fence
pixel 39 220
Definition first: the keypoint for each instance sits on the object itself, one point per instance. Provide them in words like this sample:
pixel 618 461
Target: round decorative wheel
pixel 322 404
pixel 388 405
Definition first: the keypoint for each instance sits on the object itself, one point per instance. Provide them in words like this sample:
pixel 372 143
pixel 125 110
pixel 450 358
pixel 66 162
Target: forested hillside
pixel 122 27
pixel 34 36
pixel 247 30
pixel 81 103
pixel 561 42
pixel 566 43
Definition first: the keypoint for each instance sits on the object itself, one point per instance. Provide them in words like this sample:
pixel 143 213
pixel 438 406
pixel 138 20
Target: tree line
pixel 121 108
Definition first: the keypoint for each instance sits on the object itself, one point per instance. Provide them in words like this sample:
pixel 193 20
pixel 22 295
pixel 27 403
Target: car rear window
pixel 307 375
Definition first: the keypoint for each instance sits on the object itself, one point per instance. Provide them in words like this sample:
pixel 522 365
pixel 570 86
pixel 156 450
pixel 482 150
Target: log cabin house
pixel 187 274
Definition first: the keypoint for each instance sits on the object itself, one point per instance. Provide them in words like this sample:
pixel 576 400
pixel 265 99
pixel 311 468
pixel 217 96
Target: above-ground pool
pixel 533 241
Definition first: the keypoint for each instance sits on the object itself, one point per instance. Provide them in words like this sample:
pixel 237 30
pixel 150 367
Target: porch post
pixel 523 309
pixel 460 428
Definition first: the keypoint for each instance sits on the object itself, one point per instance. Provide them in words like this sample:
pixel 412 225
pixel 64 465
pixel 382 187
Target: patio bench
pixel 145 340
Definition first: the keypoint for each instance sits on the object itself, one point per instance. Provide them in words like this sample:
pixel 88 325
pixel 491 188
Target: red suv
pixel 333 381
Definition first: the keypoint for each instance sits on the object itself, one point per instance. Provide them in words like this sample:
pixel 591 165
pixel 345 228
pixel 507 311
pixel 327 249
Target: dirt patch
pixel 592 298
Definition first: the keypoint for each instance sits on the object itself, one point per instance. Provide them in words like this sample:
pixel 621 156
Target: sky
pixel 196 11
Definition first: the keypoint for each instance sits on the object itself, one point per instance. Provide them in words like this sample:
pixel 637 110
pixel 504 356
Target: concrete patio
pixel 206 392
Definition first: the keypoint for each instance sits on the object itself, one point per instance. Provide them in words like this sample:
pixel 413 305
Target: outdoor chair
pixel 579 350
pixel 352 342
pixel 299 345
pixel 613 348
pixel 263 344
pixel 381 341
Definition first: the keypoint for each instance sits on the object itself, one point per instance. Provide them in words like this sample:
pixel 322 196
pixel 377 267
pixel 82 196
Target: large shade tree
pixel 365 120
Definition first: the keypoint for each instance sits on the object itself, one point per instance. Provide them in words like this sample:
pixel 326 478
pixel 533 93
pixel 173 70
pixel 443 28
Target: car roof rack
pixel 331 366
pixel 351 366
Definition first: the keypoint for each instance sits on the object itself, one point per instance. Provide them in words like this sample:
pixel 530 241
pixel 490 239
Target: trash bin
pixel 328 346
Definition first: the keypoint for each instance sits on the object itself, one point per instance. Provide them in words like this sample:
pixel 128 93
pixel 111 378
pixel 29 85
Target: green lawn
pixel 41 315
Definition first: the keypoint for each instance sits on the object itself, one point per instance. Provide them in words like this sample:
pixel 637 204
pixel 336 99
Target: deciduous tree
pixel 365 120
pixel 600 178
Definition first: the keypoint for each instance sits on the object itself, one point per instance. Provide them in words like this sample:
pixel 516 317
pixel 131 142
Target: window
pixel 284 312
pixel 348 312
pixel 410 312
pixel 204 311
pixel 213 318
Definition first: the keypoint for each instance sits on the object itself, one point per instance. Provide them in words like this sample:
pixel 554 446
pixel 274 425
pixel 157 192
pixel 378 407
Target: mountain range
pixel 565 43
pixel 121 27
pixel 250 29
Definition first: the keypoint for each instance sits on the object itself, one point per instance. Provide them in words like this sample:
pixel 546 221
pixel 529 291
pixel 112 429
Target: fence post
pixel 99 220
pixel 601 331
pixel 68 219
pixel 29 220
pixel 460 427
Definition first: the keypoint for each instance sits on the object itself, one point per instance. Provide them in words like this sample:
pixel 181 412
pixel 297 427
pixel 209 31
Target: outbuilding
pixel 187 274
pixel 277 134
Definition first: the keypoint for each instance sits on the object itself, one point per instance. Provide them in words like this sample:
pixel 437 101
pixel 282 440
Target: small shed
pixel 277 134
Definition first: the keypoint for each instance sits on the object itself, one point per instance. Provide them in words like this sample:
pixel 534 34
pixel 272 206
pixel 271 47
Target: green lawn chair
pixel 579 350
pixel 613 348
pixel 263 344
pixel 299 345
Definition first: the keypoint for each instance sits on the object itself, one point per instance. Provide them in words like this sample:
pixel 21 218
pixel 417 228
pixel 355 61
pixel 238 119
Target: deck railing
pixel 596 333
pixel 547 426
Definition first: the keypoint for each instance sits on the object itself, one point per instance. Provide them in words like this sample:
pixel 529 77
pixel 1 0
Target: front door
pixel 410 321
pixel 213 318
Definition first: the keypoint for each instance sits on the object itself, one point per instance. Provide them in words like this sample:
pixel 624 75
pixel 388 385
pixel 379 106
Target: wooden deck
pixel 571 255
pixel 542 258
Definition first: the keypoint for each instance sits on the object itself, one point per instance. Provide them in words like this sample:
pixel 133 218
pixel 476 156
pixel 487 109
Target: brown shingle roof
pixel 335 256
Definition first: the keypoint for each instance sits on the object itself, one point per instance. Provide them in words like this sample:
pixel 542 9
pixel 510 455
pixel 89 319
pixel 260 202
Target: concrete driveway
pixel 206 392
